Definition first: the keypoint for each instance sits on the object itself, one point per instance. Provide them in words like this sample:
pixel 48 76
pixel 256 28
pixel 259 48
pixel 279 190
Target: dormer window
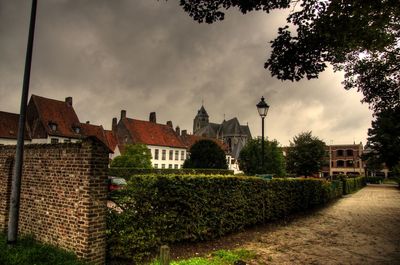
pixel 53 126
pixel 76 129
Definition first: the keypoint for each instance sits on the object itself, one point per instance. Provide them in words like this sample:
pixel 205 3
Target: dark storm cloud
pixel 148 55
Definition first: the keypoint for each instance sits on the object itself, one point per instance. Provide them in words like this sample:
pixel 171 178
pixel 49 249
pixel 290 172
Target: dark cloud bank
pixel 148 55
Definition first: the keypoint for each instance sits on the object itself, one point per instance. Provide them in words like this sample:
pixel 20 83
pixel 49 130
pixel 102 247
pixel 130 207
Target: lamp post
pixel 17 170
pixel 262 108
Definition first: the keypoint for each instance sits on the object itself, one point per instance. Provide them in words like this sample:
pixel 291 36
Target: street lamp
pixel 262 108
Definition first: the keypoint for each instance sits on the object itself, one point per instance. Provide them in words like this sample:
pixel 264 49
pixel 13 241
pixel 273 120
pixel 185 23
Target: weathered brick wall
pixel 63 195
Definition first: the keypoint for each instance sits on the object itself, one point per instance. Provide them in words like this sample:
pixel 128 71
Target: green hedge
pixel 170 209
pixel 374 180
pixel 126 172
pixel 351 185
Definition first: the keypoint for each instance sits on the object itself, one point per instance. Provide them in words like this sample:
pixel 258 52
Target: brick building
pixel 344 159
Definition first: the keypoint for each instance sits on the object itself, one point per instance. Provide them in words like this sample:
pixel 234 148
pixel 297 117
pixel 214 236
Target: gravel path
pixel 361 228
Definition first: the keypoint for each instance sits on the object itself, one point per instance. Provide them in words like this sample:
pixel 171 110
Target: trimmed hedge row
pixel 374 180
pixel 124 172
pixel 351 185
pixel 169 209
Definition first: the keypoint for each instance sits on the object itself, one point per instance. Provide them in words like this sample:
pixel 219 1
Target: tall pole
pixel 17 171
pixel 262 143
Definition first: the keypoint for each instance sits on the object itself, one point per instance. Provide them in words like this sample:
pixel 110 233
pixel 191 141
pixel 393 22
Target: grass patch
pixel 220 257
pixel 27 251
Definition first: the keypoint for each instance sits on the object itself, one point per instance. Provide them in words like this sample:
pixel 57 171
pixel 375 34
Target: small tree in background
pixel 135 155
pixel 250 158
pixel 306 155
pixel 206 154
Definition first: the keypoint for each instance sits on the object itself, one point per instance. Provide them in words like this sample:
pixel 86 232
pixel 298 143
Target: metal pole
pixel 262 143
pixel 17 172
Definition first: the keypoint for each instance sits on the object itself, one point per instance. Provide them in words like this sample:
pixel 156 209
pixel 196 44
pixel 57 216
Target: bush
pixel 168 209
pixel 351 185
pixel 374 180
pixel 124 172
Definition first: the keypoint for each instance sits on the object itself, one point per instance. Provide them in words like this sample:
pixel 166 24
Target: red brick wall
pixel 63 195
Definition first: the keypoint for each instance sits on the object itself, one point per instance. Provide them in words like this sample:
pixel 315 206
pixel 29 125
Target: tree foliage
pixel 384 137
pixel 135 156
pixel 306 155
pixel 250 158
pixel 206 154
pixel 361 37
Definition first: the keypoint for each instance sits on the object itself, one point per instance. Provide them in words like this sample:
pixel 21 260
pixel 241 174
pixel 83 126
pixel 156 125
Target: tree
pixel 350 35
pixel 306 155
pixel 135 155
pixel 384 137
pixel 250 158
pixel 206 154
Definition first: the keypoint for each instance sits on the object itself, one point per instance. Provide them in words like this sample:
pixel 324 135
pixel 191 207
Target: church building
pixel 234 135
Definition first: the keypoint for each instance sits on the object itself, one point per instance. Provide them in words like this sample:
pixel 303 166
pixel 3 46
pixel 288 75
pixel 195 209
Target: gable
pixel 151 133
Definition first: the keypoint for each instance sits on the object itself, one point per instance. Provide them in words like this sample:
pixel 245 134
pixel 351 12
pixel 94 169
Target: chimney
pixel 68 100
pixel 184 132
pixel 178 130
pixel 123 114
pixel 169 123
pixel 114 124
pixel 87 122
pixel 152 117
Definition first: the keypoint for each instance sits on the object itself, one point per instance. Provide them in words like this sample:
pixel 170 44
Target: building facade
pixel 166 148
pixel 230 132
pixel 344 159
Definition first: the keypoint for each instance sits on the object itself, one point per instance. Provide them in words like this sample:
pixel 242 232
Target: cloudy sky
pixel 149 55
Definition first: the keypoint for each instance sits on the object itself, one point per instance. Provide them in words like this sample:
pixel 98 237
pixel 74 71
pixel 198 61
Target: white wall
pixel 7 141
pixel 167 162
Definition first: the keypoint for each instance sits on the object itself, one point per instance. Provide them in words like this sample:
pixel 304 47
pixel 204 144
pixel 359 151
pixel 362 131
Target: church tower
pixel 201 119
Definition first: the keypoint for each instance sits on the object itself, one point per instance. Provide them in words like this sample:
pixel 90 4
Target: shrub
pixel 374 180
pixel 168 209
pixel 351 185
pixel 124 172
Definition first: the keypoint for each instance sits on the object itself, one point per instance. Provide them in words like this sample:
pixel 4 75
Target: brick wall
pixel 63 195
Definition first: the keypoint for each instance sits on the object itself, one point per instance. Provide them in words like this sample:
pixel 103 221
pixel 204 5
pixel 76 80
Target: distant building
pixel 49 121
pixel 234 135
pixel 344 159
pixel 167 149
pixel 9 129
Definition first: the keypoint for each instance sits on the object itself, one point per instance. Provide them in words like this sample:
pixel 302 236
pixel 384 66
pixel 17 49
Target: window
pixel 339 152
pixel 155 165
pixel 170 166
pixel 156 154
pixel 67 140
pixel 349 163
pixel 53 126
pixel 340 163
pixel 163 166
pixel 54 140
pixel 171 154
pixel 182 155
pixel 76 129
pixel 164 154
pixel 176 166
pixel 349 152
pixel 176 155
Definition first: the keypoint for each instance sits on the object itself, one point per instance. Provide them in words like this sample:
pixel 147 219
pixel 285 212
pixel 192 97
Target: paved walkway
pixel 361 228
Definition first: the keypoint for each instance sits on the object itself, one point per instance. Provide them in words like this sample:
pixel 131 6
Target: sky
pixel 149 55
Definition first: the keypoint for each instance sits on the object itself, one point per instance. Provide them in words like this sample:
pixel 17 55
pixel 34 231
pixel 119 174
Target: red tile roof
pixel 151 133
pixel 9 126
pixel 111 140
pixel 190 140
pixel 94 130
pixel 58 112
